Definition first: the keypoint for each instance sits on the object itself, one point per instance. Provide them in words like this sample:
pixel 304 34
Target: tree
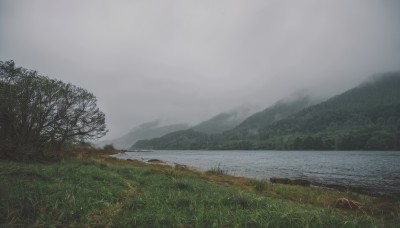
pixel 40 113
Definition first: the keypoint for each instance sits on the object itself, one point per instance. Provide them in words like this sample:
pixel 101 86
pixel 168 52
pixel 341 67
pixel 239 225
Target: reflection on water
pixel 378 171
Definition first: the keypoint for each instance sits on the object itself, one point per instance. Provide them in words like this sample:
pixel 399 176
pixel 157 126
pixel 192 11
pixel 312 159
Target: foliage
pixel 39 113
pixel 109 147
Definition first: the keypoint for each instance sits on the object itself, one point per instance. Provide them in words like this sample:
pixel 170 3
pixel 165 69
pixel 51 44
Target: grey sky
pixel 185 61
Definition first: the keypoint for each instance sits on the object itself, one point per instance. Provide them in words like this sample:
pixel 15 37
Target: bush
pixel 109 147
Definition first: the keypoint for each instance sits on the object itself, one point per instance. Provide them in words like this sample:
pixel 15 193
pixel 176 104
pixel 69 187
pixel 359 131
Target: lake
pixel 374 171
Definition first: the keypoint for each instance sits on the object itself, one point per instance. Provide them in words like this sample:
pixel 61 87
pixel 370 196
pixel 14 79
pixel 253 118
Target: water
pixel 376 171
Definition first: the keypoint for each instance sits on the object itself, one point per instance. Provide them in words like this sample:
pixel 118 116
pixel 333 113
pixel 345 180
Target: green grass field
pixel 119 193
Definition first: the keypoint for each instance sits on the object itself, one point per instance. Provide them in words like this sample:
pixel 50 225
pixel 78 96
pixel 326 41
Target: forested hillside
pixel 203 135
pixel 366 117
pixel 280 110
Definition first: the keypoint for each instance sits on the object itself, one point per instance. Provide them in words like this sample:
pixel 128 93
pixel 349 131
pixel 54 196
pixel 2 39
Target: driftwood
pixel 349 204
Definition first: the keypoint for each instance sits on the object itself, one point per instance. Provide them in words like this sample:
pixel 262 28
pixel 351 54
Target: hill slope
pixel 197 139
pixel 225 121
pixel 280 110
pixel 366 117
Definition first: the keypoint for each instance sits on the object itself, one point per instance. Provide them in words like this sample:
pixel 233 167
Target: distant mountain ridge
pixel 197 139
pixel 366 117
pixel 144 131
pixel 217 124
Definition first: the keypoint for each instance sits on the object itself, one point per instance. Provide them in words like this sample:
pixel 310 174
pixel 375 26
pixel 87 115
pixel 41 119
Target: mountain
pixel 144 131
pixel 369 103
pixel 185 139
pixel 225 121
pixel 199 138
pixel 280 110
pixel 366 117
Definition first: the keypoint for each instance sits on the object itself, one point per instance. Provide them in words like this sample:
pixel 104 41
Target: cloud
pixel 185 61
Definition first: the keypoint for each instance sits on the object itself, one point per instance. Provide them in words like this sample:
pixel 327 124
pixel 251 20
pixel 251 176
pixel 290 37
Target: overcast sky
pixel 187 60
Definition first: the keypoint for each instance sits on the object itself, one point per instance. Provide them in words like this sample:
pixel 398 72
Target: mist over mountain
pixel 371 106
pixel 366 117
pixel 248 126
pixel 146 130
pixel 153 129
pixel 226 120
pixel 278 111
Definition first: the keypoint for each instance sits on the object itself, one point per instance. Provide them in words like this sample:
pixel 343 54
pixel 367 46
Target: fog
pixel 185 61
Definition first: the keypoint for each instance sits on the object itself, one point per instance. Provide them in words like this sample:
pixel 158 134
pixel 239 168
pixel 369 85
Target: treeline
pixel 350 141
pixel 355 141
pixel 40 115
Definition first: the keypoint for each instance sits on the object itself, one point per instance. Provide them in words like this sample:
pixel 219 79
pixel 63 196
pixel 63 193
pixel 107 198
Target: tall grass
pixel 102 194
pixel 217 170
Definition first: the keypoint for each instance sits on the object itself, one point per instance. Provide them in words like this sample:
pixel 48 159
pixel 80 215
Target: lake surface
pixel 375 171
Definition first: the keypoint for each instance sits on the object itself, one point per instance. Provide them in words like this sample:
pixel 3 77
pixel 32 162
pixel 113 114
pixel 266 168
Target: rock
pixel 301 182
pixel 155 161
pixel 277 180
pixel 180 166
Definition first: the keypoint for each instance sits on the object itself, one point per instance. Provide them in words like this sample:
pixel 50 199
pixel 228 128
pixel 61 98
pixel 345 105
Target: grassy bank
pixel 110 192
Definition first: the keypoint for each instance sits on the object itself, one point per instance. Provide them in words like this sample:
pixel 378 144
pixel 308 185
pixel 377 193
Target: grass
pixel 119 193
pixel 217 171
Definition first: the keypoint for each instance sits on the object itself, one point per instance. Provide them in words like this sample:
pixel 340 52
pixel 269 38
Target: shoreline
pixel 305 182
